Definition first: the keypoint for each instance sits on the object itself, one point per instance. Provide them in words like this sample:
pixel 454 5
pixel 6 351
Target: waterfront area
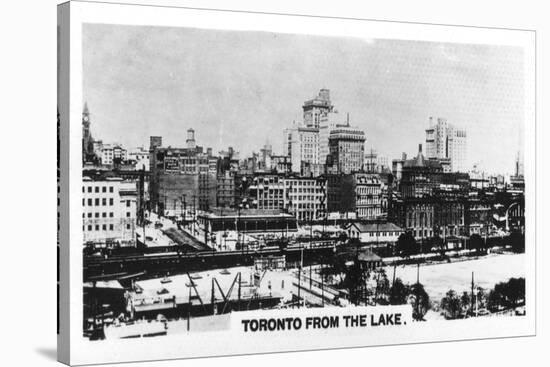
pixel 295 198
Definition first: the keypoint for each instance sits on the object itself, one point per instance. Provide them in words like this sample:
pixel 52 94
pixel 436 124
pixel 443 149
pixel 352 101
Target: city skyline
pixel 390 89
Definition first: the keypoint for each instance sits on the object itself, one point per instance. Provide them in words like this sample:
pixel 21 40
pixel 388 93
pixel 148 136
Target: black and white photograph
pixel 227 171
pixel 252 183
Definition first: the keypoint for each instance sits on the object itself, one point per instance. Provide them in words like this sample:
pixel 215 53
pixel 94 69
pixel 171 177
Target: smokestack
pixel 419 148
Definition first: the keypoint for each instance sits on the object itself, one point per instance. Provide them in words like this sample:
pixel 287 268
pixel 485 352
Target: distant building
pixel 112 154
pixel 281 164
pixel 397 167
pixel 307 143
pixel 371 161
pixel 316 108
pixel 302 145
pixel 182 177
pixel 109 211
pixel 445 141
pixel 88 141
pixel 225 193
pixel 257 221
pixel 265 157
pixel 419 176
pixel 139 158
pixel 305 198
pixel 384 233
pixel 347 149
pixel 267 192
pixel 358 193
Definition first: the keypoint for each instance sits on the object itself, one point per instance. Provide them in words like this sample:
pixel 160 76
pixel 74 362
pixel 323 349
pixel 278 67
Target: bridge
pixel 154 264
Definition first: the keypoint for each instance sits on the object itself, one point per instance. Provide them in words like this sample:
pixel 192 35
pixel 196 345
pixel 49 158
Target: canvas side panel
pixel 63 215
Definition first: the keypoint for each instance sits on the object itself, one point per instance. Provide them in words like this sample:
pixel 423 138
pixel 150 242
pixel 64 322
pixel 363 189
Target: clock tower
pixel 87 141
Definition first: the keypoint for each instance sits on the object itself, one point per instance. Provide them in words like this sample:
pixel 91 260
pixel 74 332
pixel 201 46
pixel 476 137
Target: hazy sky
pixel 242 88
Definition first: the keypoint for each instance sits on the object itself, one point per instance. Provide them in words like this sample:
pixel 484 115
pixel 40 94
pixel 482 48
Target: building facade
pixel 181 177
pixel 113 154
pixel 109 211
pixel 382 233
pixel 347 149
pixel 445 141
pixel 305 198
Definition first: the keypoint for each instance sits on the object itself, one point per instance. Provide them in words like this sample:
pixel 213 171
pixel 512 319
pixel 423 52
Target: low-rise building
pixel 305 198
pixel 113 154
pixel 359 193
pixel 382 233
pixel 109 211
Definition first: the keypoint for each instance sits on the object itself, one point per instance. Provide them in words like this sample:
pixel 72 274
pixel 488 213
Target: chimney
pixel 419 148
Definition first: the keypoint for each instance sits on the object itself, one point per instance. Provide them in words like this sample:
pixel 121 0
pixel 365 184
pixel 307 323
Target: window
pixel 111 201
pixel 89 228
pixel 104 189
pixel 128 202
pixel 89 215
pixel 127 214
pixel 97 227
pixel 127 226
pixel 97 215
pixel 89 188
pixel 83 202
pixel 97 189
pixel 111 214
pixel 104 215
pixel 104 227
pixel 90 202
pixel 97 202
pixel 110 188
pixel 111 227
pixel 104 201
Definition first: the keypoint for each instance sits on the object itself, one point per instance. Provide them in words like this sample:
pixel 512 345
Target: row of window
pixel 103 215
pixel 103 227
pixel 97 202
pixel 96 215
pixel 97 189
pixel 102 202
pixel 384 234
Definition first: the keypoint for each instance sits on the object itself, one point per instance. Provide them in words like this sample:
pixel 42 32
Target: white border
pixel 211 344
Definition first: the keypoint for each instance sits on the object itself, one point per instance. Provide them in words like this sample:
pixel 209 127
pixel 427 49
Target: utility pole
pixel 418 289
pixel 472 296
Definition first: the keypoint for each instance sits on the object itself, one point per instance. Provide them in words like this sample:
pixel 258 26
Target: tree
pixel 398 293
pixel 355 283
pixel 508 294
pixel 406 245
pixel 335 267
pixel 451 305
pixel 382 291
pixel 420 301
pixel 465 302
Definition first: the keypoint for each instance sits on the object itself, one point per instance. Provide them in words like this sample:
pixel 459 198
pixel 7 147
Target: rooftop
pixel 374 227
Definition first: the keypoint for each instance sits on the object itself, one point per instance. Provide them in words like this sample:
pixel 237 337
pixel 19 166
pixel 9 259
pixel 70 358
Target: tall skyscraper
pixel 519 164
pixel 302 145
pixel 314 109
pixel 446 142
pixel 347 149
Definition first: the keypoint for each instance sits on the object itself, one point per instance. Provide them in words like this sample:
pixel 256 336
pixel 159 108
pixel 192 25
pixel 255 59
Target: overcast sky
pixel 242 88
